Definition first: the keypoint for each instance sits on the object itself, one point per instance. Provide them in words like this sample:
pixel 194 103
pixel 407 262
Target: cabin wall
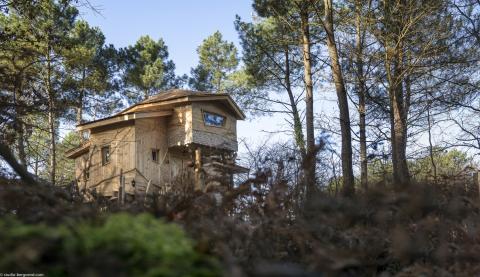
pixel 224 137
pixel 172 168
pixel 105 178
pixel 151 134
pixel 180 126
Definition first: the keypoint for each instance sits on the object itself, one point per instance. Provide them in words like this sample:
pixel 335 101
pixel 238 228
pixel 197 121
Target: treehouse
pixel 174 138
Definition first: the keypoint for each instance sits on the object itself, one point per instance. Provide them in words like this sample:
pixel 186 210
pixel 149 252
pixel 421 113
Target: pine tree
pixel 87 71
pixel 147 69
pixel 217 59
pixel 271 58
pixel 51 25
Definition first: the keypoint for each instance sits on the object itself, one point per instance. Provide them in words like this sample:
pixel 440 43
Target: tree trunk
pixel 80 109
pixel 297 124
pixel 401 175
pixel 51 118
pixel 363 140
pixel 399 102
pixel 19 125
pixel 35 168
pixel 347 168
pixel 80 100
pixel 22 156
pixel 309 161
pixel 398 124
pixel 430 143
pixel 8 157
pixel 361 90
pixel 53 154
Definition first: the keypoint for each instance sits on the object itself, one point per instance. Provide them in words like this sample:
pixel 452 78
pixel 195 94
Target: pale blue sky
pixel 182 24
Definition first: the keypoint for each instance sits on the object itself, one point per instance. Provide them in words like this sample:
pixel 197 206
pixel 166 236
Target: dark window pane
pixel 105 155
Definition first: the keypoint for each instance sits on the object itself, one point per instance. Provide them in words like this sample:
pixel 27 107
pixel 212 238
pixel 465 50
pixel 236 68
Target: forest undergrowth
pixel 422 229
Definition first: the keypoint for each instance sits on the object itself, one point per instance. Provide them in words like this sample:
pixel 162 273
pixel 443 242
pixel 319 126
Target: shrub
pixel 122 244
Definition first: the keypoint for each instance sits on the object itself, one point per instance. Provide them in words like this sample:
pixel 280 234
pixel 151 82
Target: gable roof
pixel 166 98
pixel 183 95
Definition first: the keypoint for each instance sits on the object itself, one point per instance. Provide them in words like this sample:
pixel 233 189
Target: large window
pixel 213 119
pixel 105 154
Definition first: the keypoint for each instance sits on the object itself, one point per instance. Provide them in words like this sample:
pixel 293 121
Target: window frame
pixel 204 112
pixel 157 154
pixel 105 159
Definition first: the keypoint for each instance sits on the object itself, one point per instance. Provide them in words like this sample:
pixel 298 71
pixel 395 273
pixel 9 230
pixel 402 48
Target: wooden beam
pixel 198 170
pixel 122 188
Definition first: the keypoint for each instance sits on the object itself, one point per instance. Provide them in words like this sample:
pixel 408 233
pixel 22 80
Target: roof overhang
pixel 233 168
pixel 188 99
pixel 235 108
pixel 78 151
pixel 121 118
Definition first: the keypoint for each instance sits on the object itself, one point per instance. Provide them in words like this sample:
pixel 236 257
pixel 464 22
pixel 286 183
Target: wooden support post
pixel 146 191
pixel 198 170
pixel 122 188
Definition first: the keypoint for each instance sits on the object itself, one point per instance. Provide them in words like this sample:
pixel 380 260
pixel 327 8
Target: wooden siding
pixel 180 126
pixel 172 166
pixel 105 178
pixel 151 134
pixel 224 137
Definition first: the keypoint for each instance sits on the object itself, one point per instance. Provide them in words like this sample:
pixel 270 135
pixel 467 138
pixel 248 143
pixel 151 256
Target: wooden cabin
pixel 174 138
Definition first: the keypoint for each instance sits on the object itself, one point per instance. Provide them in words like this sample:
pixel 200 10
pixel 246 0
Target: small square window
pixel 105 155
pixel 155 153
pixel 85 135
